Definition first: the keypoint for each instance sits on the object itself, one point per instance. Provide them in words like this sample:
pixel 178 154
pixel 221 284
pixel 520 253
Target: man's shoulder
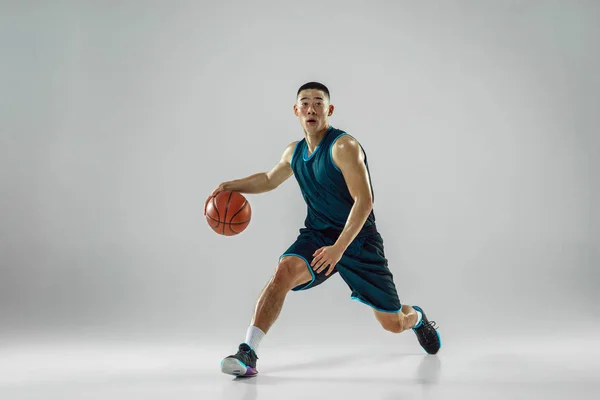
pixel 347 147
pixel 346 142
pixel 342 135
pixel 291 146
pixel 290 150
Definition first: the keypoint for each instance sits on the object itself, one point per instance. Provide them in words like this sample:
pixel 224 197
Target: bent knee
pixel 394 323
pixel 291 271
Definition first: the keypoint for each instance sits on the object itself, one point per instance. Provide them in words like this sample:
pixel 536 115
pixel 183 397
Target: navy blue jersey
pixel 323 186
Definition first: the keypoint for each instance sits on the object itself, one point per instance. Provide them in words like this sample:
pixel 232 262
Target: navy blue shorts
pixel 363 267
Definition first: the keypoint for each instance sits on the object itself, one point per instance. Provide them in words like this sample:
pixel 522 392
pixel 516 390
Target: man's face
pixel 313 110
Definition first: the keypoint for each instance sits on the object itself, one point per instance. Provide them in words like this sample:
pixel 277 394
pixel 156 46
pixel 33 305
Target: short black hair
pixel 316 86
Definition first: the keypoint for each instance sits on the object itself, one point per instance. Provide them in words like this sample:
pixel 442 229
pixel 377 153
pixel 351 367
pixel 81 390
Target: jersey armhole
pixel 294 152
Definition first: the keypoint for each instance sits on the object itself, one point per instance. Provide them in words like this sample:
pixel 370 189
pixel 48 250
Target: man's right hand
pixel 219 189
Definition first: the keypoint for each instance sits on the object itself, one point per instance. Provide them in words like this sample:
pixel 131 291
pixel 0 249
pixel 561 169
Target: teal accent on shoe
pixel 240 362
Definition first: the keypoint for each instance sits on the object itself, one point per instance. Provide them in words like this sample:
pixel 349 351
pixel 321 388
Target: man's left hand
pixel 327 256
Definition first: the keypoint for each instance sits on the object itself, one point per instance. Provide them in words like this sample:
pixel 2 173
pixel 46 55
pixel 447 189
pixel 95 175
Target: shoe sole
pixel 439 340
pixel 233 366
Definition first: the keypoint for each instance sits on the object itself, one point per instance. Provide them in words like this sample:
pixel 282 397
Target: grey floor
pixel 511 368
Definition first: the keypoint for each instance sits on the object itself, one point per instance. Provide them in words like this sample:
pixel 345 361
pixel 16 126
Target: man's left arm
pixel 349 158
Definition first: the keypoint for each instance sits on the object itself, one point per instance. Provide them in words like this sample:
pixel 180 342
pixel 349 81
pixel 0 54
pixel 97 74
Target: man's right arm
pixel 263 181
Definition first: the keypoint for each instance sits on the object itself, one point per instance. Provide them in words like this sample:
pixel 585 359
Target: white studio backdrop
pixel 480 121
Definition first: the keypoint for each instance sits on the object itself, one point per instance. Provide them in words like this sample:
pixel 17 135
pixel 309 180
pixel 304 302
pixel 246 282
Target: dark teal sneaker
pixel 243 363
pixel 427 333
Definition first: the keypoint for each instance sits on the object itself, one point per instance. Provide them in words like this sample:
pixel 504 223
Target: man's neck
pixel 313 139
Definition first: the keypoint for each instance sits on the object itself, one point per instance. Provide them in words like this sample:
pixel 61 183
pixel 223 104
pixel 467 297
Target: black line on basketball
pixel 233 230
pixel 238 211
pixel 217 210
pixel 228 223
pixel 226 208
pixel 215 220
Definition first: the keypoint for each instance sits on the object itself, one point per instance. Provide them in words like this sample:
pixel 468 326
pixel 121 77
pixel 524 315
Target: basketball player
pixel 340 234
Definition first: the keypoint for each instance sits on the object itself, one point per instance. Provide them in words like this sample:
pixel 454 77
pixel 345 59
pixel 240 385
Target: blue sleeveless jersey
pixel 323 186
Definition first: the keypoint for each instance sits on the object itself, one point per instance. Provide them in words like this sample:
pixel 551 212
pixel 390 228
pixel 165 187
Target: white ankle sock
pixel 253 337
pixel 419 318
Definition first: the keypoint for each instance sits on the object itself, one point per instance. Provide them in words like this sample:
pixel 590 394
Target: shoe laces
pixel 433 324
pixel 247 353
pixel 429 324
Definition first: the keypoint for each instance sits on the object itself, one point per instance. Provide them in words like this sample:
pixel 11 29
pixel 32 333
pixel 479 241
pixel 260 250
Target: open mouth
pixel 311 121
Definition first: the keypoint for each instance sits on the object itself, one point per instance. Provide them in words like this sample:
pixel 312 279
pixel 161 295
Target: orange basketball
pixel 228 213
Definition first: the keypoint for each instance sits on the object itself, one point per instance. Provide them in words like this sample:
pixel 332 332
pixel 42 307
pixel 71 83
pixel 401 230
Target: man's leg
pixel 291 272
pixel 412 318
pixel 365 270
pixel 398 322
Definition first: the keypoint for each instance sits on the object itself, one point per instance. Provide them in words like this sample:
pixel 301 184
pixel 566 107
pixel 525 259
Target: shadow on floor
pixel 427 373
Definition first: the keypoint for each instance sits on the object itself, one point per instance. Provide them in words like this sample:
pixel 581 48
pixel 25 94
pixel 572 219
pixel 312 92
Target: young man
pixel 339 234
